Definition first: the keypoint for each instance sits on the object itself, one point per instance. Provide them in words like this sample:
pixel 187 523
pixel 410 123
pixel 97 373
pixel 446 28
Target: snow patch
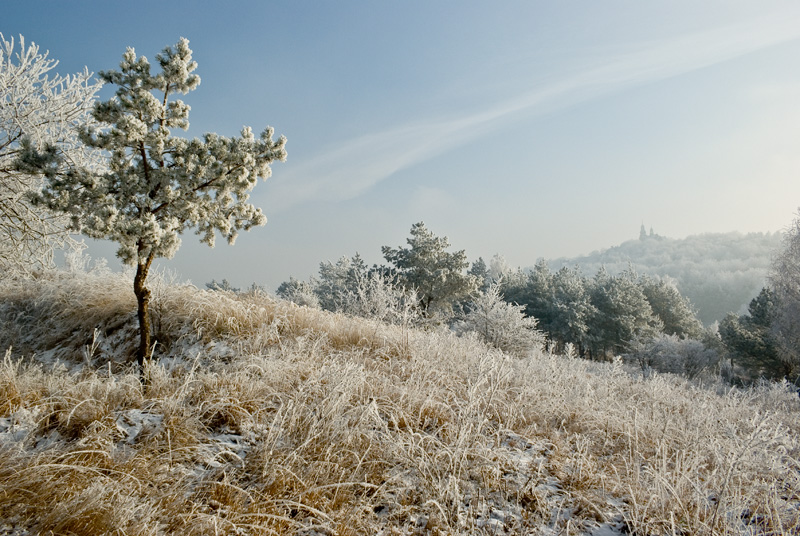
pixel 16 427
pixel 135 422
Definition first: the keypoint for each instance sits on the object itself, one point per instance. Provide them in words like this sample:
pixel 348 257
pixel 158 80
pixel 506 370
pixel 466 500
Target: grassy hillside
pixel 718 272
pixel 262 417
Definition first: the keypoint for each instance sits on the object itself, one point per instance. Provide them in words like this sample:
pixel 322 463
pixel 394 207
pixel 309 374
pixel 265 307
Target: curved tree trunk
pixel 145 350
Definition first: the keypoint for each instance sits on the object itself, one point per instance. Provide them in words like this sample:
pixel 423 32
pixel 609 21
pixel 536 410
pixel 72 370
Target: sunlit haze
pixel 526 129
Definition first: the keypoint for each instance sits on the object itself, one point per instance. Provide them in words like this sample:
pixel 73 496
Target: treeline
pixel 600 316
pixel 643 318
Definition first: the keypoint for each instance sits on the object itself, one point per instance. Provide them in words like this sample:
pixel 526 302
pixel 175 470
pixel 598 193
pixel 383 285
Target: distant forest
pixel 718 272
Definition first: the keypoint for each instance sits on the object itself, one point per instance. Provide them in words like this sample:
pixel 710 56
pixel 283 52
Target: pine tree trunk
pixel 143 312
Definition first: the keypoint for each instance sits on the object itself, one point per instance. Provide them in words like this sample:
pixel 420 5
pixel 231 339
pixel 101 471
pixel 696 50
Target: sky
pixel 527 129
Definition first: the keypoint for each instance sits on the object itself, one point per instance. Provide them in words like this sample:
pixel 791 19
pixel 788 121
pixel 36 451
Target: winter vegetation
pixel 44 110
pixel 429 395
pixel 155 185
pixel 264 417
pixel 718 273
pixel 500 324
pixel 612 312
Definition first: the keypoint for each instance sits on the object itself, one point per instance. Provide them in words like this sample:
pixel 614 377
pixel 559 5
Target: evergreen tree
pixel 785 280
pixel 673 310
pixel 513 287
pixel 437 276
pixel 497 270
pixel 158 185
pixel 622 314
pixel 481 273
pixel 750 338
pixel 572 309
pixel 537 296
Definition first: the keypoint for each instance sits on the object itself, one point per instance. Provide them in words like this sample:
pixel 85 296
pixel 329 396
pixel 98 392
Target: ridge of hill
pixel 718 272
pixel 264 417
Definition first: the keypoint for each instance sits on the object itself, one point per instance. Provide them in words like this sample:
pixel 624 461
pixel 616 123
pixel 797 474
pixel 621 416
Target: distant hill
pixel 718 272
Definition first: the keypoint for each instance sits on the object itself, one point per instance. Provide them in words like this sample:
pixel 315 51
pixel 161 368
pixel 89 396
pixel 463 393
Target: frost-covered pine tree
pixel 622 314
pixel 158 185
pixel 752 339
pixel 480 271
pixel 534 291
pixel 671 308
pixel 46 109
pixel 436 275
pixel 572 309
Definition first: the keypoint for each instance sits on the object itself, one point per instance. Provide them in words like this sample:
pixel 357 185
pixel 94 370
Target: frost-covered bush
pixel 223 285
pixel 501 324
pixel 377 297
pixel 299 292
pixel 348 286
pixel 669 353
pixel 337 280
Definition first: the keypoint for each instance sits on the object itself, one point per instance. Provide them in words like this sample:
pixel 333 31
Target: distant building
pixel 643 235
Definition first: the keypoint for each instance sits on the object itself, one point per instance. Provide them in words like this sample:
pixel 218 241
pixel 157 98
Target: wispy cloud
pixel 358 164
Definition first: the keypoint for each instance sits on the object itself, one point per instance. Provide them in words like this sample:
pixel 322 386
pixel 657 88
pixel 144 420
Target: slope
pixel 262 417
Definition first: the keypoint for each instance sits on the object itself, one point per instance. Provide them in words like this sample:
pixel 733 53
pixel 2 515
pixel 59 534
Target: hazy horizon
pixel 528 129
pixel 96 251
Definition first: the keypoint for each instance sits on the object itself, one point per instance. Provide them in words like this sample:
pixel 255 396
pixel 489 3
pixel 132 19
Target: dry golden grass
pixel 263 417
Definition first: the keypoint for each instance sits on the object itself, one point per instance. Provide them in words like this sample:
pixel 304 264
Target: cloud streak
pixel 358 164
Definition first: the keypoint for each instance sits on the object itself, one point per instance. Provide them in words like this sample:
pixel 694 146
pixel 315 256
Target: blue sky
pixel 528 129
